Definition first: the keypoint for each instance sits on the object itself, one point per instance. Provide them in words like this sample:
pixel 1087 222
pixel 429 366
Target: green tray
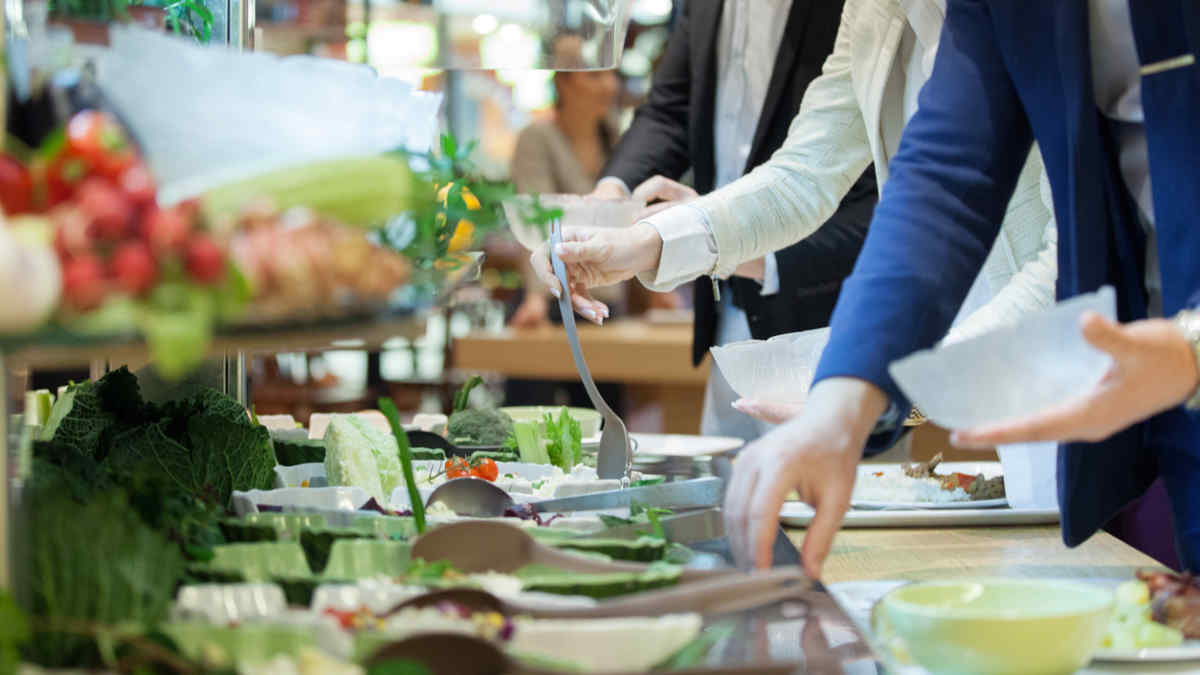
pixel 248 643
pixel 365 558
pixel 260 561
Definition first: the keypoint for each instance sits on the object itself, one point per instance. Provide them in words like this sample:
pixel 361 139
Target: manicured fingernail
pixel 589 313
pixel 555 292
pixel 605 311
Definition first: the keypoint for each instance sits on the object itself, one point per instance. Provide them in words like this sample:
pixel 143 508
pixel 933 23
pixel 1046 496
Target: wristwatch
pixel 1188 322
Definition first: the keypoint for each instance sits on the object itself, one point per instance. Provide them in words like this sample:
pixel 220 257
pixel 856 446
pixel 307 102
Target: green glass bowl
pixel 993 626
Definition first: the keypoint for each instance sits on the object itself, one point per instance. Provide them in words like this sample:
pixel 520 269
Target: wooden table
pixel 654 360
pixel 919 554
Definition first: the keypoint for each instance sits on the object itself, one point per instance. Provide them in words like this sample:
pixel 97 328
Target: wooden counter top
pixel 920 554
pixel 627 350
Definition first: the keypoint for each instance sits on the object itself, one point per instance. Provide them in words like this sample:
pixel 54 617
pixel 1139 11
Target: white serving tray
pixel 799 514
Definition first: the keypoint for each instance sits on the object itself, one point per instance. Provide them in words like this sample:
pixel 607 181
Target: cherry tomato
pixel 457 468
pixel 204 259
pixel 96 137
pixel 959 480
pixel 137 184
pixel 485 468
pixel 16 186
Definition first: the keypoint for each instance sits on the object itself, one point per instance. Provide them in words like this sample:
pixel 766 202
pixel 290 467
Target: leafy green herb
pixel 656 525
pixel 566 440
pixel 420 571
pixel 615 521
pixel 638 508
pixel 464 394
pixel 648 481
pixel 537 485
pixel 388 407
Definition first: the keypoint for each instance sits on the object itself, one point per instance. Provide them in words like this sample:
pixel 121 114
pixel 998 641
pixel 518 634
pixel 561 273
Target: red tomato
pixel 959 480
pixel 137 184
pixel 16 186
pixel 96 137
pixel 485 468
pixel 204 259
pixel 106 207
pixel 84 287
pixel 133 267
pixel 457 468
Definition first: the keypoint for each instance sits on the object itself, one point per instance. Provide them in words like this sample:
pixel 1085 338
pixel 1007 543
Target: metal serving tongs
pixel 614 457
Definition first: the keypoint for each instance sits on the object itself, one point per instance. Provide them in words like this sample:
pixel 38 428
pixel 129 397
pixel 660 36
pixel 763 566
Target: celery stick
pixel 414 496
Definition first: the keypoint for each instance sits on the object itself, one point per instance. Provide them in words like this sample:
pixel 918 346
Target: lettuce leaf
pixel 566 440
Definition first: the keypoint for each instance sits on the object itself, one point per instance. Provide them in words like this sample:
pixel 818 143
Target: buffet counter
pixel 653 359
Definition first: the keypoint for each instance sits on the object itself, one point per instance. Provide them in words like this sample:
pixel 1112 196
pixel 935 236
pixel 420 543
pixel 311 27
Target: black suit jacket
pixel 673 131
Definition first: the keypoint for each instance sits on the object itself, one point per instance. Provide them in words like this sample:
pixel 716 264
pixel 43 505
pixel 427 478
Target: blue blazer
pixel 1009 72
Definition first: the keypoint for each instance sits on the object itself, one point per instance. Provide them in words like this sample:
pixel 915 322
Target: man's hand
pixel 598 256
pixel 665 192
pixel 769 412
pixel 815 454
pixel 755 269
pixel 1154 369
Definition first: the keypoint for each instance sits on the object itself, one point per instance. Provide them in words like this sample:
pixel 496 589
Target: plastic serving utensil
pixel 614 457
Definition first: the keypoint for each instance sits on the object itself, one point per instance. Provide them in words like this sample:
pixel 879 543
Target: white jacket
pixel 841 128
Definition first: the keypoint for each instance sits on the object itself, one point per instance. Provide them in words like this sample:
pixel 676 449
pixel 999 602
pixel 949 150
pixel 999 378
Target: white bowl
pixel 1011 372
pixel 578 211
pixel 332 498
pixel 778 370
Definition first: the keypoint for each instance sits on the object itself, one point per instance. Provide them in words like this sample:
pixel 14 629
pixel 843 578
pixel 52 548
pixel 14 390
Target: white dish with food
pixel 929 485
pixel 1156 620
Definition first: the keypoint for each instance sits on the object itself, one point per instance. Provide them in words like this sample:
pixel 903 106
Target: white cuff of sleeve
pixel 615 181
pixel 770 282
pixel 689 249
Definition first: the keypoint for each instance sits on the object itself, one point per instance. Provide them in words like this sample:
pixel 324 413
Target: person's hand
pixel 598 256
pixel 534 311
pixel 1153 369
pixel 609 189
pixel 754 269
pixel 814 454
pixel 665 192
pixel 768 411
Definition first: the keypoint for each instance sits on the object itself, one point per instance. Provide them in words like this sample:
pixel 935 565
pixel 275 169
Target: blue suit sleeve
pixel 940 211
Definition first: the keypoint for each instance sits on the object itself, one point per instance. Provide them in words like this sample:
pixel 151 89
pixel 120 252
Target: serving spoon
pixel 614 457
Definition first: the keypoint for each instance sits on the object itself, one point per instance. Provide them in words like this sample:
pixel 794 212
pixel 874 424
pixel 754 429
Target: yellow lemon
pixel 470 200
pixel 443 194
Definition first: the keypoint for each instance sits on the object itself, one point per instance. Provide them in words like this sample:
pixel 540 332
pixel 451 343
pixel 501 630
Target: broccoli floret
pixel 479 427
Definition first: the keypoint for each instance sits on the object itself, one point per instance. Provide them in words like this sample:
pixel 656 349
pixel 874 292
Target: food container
pixel 335 498
pixel 589 420
pixel 1030 475
pixel 993 626
pixel 228 603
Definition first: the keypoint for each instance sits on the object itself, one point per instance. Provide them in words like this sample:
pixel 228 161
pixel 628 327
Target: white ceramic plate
pixel 1188 651
pixel 799 514
pixel 988 469
pixel 684 445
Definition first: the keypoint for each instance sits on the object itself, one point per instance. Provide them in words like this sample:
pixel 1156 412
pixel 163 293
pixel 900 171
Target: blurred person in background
pixel 564 155
pixel 731 80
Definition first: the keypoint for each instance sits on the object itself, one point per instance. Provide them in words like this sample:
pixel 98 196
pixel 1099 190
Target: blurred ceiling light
pixel 651 12
pixel 485 23
pixel 511 32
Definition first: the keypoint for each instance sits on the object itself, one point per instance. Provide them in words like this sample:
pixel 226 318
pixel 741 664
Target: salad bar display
pixel 136 559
